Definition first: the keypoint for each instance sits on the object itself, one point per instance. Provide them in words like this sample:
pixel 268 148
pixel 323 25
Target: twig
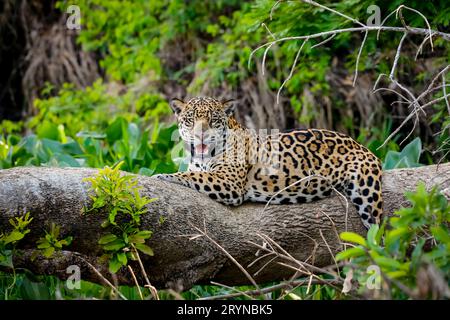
pixel 205 234
pixel 239 292
pixel 292 70
pixel 420 31
pixel 104 279
pixel 282 285
pixel 397 56
pixel 359 56
pixel 329 249
pixel 151 288
pixel 136 282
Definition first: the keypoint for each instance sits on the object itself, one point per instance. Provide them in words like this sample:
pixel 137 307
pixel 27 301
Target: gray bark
pixel 58 195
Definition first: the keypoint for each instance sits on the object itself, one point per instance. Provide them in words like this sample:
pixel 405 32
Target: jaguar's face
pixel 202 122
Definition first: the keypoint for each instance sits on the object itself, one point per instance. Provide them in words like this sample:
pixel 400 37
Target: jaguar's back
pixel 311 164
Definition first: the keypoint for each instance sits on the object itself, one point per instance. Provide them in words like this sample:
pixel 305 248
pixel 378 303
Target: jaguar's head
pixel 202 123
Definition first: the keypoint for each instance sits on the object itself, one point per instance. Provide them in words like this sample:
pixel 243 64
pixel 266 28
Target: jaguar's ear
pixel 229 106
pixel 177 105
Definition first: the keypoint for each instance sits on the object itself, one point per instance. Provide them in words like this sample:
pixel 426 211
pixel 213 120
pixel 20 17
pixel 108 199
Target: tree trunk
pixel 58 195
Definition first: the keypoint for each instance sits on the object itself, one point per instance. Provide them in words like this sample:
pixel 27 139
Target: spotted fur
pixel 234 164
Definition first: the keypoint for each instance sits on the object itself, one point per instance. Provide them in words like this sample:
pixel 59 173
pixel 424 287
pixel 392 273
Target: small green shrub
pixel 10 239
pixel 118 196
pixel 50 242
pixel 402 248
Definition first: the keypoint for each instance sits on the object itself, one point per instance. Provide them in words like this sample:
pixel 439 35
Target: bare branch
pixel 359 56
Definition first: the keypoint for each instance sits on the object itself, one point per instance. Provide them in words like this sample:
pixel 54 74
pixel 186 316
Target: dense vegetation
pixel 149 51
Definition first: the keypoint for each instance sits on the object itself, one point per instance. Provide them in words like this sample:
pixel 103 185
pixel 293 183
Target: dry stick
pixel 239 292
pixel 288 256
pixel 259 258
pixel 410 116
pixel 445 92
pixel 268 30
pixel 263 66
pixel 103 278
pixel 282 285
pixel 420 48
pixel 397 56
pixel 249 277
pixel 273 8
pixel 329 249
pixel 291 73
pixel 448 108
pixel 333 11
pixel 310 274
pixel 334 226
pixel 136 282
pixel 421 31
pixel 324 41
pixel 264 266
pixel 415 101
pixel 151 288
pixel 313 251
pixel 399 9
pixel 359 56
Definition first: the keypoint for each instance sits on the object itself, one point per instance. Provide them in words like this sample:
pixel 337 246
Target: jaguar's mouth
pixel 201 149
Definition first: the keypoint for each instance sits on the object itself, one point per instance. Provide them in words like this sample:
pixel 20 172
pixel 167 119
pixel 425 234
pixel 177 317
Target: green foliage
pixel 9 240
pixel 50 242
pixel 407 158
pixel 118 195
pixel 144 150
pixel 406 242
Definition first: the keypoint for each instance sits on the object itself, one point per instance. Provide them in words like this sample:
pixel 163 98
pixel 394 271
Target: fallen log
pixel 306 231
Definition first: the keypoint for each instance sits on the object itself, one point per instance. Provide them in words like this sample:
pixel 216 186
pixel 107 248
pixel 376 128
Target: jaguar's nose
pixel 201 131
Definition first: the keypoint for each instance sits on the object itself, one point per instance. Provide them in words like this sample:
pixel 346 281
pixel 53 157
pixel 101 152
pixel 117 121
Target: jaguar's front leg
pixel 214 184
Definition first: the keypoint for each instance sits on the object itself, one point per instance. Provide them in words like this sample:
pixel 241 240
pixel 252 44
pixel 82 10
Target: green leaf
pixel 114 245
pixel 122 258
pixel 13 237
pixel 144 248
pixel 388 263
pixel 44 245
pixel 371 235
pixel 441 234
pixel 145 234
pixel 354 238
pixel 114 265
pixel 350 253
pixel 114 131
pixel 107 238
pixel 48 252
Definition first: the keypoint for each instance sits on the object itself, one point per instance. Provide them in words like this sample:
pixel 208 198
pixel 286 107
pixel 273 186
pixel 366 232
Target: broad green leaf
pixel 354 238
pixel 114 245
pixel 441 234
pixel 13 237
pixel 122 258
pixel 350 253
pixel 114 265
pixel 388 263
pixel 371 235
pixel 48 252
pixel 107 238
pixel 144 248
pixel 44 245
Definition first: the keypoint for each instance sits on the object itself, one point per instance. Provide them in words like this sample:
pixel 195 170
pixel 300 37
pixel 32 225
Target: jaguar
pixel 232 164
